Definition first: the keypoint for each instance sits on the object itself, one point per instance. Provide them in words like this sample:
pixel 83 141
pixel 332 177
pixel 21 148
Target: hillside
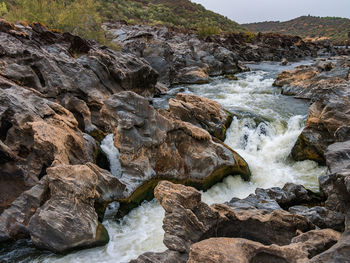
pixel 84 17
pixel 180 13
pixel 333 28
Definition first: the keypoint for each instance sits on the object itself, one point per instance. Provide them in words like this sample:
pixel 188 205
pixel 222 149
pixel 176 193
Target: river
pixel 263 133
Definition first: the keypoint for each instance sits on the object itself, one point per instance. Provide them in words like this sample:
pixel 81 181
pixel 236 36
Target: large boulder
pixel 35 134
pixel 68 220
pixel 60 212
pixel 154 147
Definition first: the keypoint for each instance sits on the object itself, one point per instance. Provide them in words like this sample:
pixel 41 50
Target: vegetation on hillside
pixel 85 17
pixel 179 13
pixel 334 28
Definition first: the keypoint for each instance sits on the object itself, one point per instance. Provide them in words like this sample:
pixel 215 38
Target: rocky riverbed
pixel 79 131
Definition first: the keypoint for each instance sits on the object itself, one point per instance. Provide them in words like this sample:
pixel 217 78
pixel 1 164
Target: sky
pixel 248 11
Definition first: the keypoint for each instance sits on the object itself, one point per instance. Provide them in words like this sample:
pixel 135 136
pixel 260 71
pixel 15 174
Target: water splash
pixel 107 146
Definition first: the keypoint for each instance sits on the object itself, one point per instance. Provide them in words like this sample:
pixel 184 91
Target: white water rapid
pixel 267 129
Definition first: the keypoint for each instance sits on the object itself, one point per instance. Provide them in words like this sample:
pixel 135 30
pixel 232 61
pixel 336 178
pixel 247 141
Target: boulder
pixel 35 134
pixel 276 198
pixel 68 220
pixel 156 147
pixel 338 156
pixel 14 220
pixel 340 252
pixel 167 256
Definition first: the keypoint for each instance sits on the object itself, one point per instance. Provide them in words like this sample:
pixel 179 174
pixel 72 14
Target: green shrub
pixel 206 31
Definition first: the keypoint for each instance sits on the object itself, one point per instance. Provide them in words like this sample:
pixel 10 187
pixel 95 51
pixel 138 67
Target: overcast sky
pixel 247 11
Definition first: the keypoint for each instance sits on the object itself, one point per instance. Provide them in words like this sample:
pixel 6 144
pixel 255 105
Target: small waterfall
pixel 107 146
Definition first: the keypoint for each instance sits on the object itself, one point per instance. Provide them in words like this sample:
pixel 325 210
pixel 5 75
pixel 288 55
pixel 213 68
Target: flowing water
pixel 263 133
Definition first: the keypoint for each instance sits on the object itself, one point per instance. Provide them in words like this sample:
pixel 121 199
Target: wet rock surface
pixel 202 112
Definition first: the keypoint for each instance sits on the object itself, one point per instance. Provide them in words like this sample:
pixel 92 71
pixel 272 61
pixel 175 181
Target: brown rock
pixel 35 134
pixel 328 88
pixel 192 75
pixel 68 219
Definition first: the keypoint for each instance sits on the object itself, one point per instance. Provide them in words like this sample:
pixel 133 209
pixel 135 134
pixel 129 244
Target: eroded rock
pixel 68 220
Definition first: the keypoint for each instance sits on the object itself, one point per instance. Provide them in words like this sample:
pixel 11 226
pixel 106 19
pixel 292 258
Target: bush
pixel 206 31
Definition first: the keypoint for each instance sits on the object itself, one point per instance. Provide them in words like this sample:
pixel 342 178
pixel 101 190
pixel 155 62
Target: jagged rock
pixel 35 134
pixel 68 220
pixel 276 198
pixel 14 220
pixel 154 147
pixel 320 216
pixel 295 80
pixel 188 220
pixel 202 112
pixel 79 74
pixel 178 57
pixel 227 250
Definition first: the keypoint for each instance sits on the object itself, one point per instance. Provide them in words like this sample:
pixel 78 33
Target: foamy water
pixel 264 137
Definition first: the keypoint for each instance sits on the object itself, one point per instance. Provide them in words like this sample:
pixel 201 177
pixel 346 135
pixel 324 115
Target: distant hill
pixel 334 28
pixel 176 13
pixel 85 17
